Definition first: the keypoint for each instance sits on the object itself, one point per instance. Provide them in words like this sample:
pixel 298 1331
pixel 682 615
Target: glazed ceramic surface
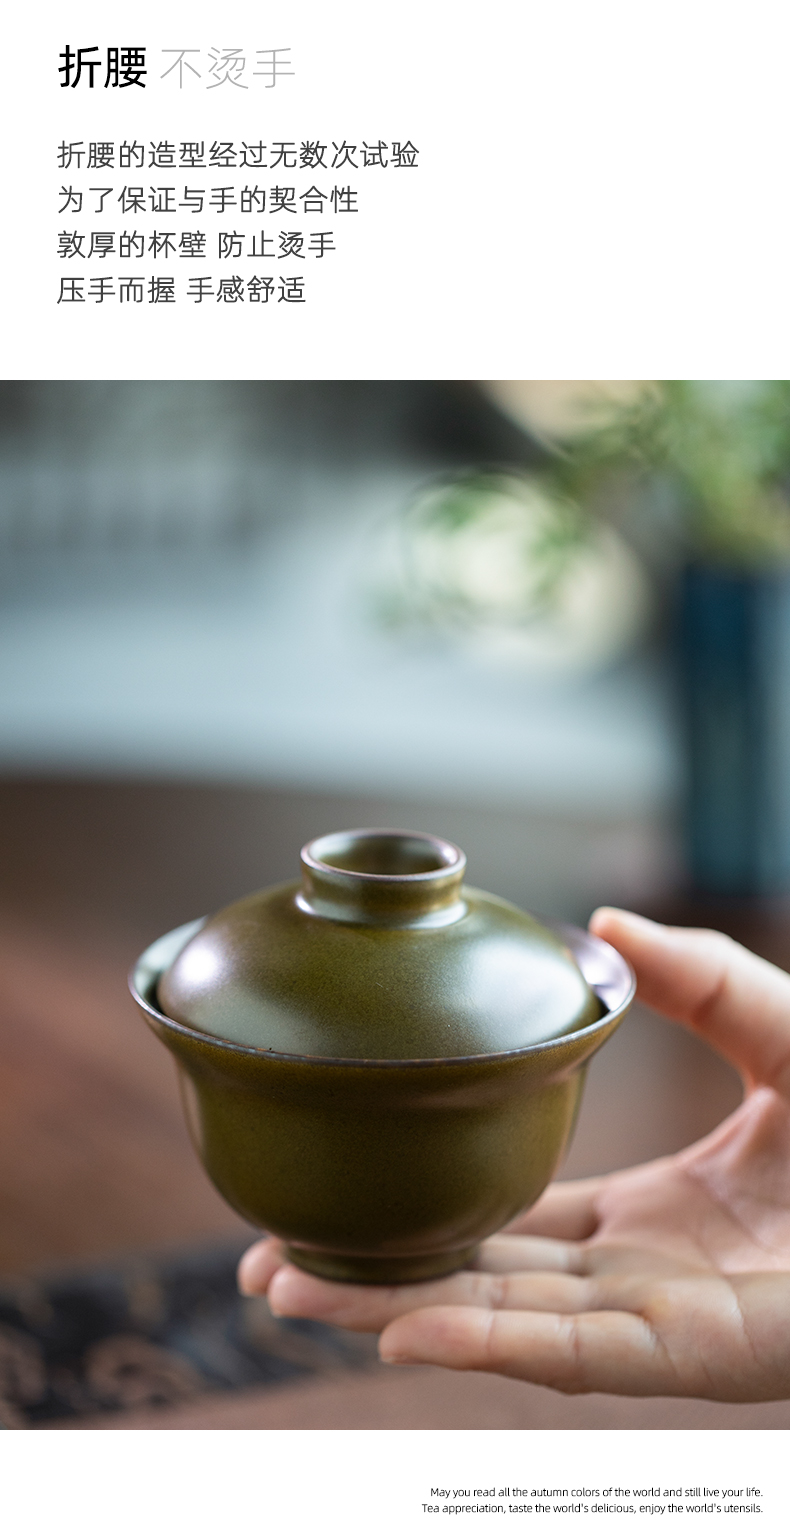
pixel 380 1065
pixel 379 952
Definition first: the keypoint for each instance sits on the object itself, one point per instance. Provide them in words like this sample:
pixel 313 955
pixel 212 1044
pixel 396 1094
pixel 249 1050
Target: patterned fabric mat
pixel 151 1331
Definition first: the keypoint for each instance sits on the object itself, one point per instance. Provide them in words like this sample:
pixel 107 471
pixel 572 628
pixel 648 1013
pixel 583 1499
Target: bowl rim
pixel 606 972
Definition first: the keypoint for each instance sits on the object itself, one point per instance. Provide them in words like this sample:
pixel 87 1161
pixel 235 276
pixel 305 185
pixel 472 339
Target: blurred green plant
pixel 542 551
pixel 514 566
pixel 491 544
pixel 721 446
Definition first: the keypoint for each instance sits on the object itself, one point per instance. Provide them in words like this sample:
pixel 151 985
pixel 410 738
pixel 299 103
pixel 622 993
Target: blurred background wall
pixel 193 658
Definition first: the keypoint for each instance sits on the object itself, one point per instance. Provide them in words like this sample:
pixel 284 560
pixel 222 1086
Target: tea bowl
pixel 371 1168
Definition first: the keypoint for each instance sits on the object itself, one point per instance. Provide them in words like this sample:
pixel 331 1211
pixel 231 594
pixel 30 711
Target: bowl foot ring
pixel 379 1271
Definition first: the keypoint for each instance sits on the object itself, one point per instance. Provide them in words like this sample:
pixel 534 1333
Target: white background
pixel 602 189
pixel 257 1484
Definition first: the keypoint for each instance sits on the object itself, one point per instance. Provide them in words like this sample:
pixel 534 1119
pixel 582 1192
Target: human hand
pixel 672 1278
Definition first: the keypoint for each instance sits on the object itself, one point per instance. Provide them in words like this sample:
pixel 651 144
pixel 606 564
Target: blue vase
pixel 735 669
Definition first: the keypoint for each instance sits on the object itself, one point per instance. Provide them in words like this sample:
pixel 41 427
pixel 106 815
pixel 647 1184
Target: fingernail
pixel 394 1358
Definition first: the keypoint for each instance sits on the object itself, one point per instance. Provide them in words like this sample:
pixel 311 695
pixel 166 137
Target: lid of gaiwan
pixel 379 952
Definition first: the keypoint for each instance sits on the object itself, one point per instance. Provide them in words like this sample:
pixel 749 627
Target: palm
pixel 671 1278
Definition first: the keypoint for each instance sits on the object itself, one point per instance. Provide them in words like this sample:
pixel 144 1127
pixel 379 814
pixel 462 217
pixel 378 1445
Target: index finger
pixel 737 1001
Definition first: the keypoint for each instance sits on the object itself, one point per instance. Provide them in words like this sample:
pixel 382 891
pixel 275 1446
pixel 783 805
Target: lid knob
pixel 383 876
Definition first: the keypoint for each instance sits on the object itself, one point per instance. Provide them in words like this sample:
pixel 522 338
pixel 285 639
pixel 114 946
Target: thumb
pixel 736 1001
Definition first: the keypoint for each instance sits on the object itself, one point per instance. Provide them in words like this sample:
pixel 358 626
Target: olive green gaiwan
pixel 380 1065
